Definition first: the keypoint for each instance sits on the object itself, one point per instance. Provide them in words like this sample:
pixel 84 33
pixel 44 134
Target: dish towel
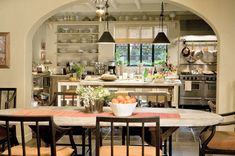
pixel 188 86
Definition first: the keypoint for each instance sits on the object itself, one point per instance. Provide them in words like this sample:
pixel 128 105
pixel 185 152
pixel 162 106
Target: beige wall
pixel 22 19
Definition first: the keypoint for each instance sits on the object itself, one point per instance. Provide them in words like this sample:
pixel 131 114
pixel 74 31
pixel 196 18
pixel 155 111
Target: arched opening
pixel 40 21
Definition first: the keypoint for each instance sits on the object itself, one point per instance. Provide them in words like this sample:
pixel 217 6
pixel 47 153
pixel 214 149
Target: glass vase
pixel 95 106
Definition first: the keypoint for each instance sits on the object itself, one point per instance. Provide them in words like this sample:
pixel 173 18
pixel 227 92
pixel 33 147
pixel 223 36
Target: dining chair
pixel 111 149
pixel 212 141
pixel 152 99
pixel 24 148
pixel 212 106
pixel 72 99
pixel 7 101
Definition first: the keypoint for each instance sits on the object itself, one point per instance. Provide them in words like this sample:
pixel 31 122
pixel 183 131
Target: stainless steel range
pixel 196 90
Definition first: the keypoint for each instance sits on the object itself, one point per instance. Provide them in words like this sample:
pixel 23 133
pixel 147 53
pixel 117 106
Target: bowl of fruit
pixel 123 106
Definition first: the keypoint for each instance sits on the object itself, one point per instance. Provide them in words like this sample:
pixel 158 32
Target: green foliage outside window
pixel 133 54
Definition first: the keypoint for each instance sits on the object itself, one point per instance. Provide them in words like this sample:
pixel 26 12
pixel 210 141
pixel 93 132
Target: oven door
pixel 197 89
pixel 210 89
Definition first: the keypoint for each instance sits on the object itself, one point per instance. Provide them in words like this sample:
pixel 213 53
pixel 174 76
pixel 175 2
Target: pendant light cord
pixel 106 15
pixel 161 16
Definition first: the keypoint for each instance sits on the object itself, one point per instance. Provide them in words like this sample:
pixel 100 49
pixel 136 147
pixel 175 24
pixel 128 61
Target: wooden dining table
pixel 170 118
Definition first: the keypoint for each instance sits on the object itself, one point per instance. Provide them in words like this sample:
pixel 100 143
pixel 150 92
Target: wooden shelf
pixel 59 33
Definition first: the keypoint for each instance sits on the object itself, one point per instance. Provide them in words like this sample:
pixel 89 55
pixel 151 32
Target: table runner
pixel 29 112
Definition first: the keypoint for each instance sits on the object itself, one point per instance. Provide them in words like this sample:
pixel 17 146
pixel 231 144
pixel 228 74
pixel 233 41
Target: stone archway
pixel 35 26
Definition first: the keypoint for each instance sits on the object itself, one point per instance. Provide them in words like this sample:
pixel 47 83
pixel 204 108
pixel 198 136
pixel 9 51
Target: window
pixel 133 54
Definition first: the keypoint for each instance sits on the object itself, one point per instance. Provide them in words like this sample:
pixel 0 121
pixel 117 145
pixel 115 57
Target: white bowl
pixel 123 110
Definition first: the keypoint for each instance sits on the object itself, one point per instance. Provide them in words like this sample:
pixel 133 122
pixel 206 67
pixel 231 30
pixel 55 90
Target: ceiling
pixel 126 7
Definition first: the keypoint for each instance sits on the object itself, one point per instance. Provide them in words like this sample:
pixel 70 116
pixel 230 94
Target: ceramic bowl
pixel 123 110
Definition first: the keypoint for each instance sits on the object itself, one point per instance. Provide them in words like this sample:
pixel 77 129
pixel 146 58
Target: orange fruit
pixel 129 101
pixel 133 99
pixel 127 97
pixel 115 101
pixel 120 98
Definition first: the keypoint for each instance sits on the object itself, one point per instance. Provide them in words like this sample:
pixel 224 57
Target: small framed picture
pixel 4 49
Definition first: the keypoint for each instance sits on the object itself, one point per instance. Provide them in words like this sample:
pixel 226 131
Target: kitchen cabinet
pixel 77 43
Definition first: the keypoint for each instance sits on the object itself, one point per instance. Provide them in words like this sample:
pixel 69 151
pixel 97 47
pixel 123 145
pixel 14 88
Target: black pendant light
pixel 161 37
pixel 106 37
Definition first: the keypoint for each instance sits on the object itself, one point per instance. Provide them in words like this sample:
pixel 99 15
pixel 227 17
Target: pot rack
pixel 200 42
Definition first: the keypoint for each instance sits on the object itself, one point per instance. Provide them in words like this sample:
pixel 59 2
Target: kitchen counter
pixel 169 85
pixel 131 83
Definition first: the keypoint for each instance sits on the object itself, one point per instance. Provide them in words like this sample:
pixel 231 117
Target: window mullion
pixel 141 53
pixel 153 51
pixel 128 54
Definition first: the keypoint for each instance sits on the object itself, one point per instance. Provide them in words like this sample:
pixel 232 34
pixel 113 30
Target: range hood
pixel 195 27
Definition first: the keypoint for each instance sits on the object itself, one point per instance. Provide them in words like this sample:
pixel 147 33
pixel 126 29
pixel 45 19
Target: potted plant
pixel 77 70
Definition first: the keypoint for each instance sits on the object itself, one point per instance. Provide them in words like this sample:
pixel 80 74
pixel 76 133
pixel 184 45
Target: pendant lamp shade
pixel 106 37
pixel 161 37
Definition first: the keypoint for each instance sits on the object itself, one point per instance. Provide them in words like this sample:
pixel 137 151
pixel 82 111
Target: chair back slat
pixel 128 138
pixel 8 137
pixel 127 122
pixel 142 138
pixel 22 137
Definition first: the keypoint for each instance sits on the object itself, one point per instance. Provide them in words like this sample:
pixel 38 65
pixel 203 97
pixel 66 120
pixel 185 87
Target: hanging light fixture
pixel 100 7
pixel 161 37
pixel 106 37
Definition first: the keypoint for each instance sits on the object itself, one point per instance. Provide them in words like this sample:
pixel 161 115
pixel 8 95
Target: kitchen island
pixel 128 85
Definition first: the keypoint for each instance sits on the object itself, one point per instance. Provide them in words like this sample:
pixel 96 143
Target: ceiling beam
pixel 138 5
pixel 90 6
pixel 113 4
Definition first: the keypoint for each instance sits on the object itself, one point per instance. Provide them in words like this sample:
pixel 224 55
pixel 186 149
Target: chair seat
pixel 222 140
pixel 45 151
pixel 120 150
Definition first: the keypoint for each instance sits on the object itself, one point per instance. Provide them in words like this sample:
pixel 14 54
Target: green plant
pixel 78 68
pixel 160 62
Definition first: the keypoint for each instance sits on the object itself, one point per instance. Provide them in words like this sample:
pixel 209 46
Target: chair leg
pixel 165 147
pixel 123 137
pixel 83 143
pixel 201 152
pixel 89 142
pixel 170 145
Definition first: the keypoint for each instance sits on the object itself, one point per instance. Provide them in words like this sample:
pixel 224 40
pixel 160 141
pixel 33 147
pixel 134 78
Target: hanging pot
pixel 198 55
pixel 191 58
pixel 185 51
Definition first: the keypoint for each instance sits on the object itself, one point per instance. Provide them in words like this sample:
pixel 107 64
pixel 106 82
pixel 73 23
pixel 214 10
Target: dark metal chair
pixel 23 149
pixel 212 141
pixel 72 99
pixel 7 101
pixel 150 99
pixel 128 150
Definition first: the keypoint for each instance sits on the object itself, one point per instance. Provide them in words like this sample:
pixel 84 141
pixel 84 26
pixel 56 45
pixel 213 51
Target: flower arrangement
pixel 93 97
